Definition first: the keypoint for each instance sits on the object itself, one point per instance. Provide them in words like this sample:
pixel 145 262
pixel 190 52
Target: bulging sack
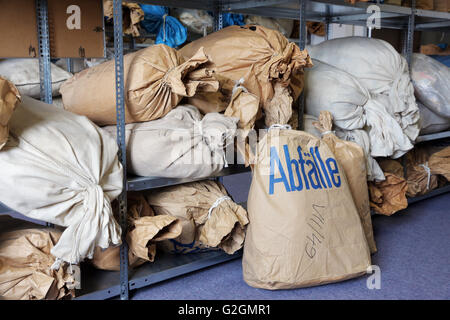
pixel 179 145
pixel 431 122
pixel 144 231
pixel 284 26
pixel 352 159
pixel 380 69
pixel 210 218
pixel 24 73
pixel 9 99
pixel 25 262
pixel 60 168
pixel 431 80
pixel 354 107
pixel 261 56
pixel 156 79
pixel 304 227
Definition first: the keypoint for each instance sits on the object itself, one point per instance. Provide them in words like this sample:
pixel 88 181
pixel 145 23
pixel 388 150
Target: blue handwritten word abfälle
pixel 310 169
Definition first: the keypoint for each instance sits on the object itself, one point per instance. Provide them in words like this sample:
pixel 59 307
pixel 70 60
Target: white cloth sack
pixel 380 69
pixel 284 26
pixel 330 89
pixel 431 122
pixel 60 168
pixel 196 21
pixel 24 73
pixel 431 80
pixel 179 145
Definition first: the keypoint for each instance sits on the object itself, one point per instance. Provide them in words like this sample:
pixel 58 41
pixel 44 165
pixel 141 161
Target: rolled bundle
pixel 380 69
pixel 352 159
pixel 25 262
pixel 353 107
pixel 9 99
pixel 210 218
pixel 431 80
pixel 156 79
pixel 179 145
pixel 261 56
pixel 60 168
pixel 145 230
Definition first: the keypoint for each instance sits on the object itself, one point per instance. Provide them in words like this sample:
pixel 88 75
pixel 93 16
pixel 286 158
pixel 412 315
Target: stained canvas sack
pixel 353 161
pixel 180 145
pixel 210 218
pixel 380 69
pixel 304 227
pixel 261 56
pixel 24 73
pixel 60 168
pixel 156 79
pixel 144 231
pixel 431 80
pixel 354 107
pixel 9 99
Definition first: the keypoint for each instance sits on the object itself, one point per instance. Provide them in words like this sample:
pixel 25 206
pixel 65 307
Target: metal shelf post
pixel 45 74
pixel 218 18
pixel 409 37
pixel 120 113
pixel 302 44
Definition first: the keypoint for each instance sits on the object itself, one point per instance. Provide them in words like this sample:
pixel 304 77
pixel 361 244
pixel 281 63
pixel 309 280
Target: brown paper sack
pixel 144 231
pixel 419 178
pixel 156 79
pixel 210 218
pixel 9 99
pixel 25 262
pixel 261 56
pixel 304 226
pixel 131 17
pixel 389 196
pixel 352 159
pixel 439 163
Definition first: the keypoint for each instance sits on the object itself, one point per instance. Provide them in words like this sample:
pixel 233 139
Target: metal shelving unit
pixel 97 284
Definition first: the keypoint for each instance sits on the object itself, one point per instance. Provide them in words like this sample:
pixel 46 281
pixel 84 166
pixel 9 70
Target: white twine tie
pixel 57 264
pixel 428 171
pixel 216 204
pixel 238 84
pixel 327 132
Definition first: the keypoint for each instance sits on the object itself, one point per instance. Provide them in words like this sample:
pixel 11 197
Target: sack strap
pixel 216 204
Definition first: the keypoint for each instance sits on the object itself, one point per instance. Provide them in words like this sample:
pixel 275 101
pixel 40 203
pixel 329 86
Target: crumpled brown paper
pixel 389 196
pixel 206 223
pixel 156 79
pixel 352 159
pixel 25 262
pixel 261 56
pixel 439 163
pixel 419 177
pixel 131 16
pixel 144 231
pixel 9 99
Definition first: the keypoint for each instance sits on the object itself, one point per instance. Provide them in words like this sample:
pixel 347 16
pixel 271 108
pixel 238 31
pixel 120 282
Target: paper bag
pixel 210 218
pixel 439 163
pixel 304 226
pixel 353 161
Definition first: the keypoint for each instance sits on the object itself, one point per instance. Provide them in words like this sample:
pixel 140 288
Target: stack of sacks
pixel 156 79
pixel 304 226
pixel 179 145
pixel 169 30
pixel 271 66
pixel 354 108
pixel 389 196
pixel 284 26
pixel 24 73
pixel 381 70
pixel 352 159
pixel 132 14
pixel 431 80
pixel 145 229
pixel 60 168
pixel 210 218
pixel 25 262
pixel 9 99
